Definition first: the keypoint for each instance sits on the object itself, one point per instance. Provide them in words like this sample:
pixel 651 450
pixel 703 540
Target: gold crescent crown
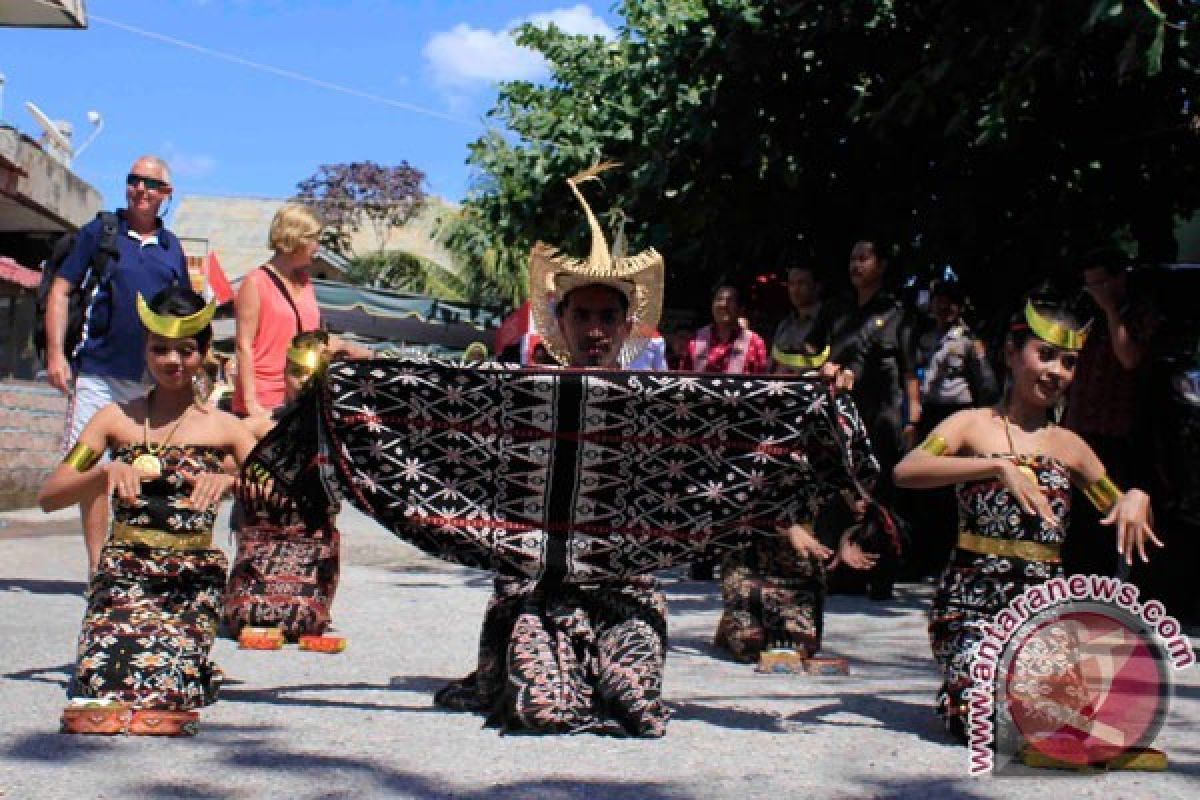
pixel 310 359
pixel 800 361
pixel 173 327
pixel 1055 333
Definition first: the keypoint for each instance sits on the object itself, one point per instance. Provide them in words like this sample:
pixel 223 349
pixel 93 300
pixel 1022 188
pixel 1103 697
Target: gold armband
pixel 81 457
pixel 934 444
pixel 1104 494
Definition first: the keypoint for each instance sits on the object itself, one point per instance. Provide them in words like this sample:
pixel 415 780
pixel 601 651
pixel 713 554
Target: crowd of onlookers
pixel 912 359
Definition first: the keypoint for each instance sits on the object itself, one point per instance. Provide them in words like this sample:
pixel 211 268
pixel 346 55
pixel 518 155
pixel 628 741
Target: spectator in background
pixel 276 302
pixel 1103 403
pixel 726 345
pixel 951 361
pixel 954 374
pixel 873 340
pixel 677 345
pixel 109 364
pixel 804 293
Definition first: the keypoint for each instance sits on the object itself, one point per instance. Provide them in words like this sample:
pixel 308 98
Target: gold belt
pixel 123 533
pixel 1030 551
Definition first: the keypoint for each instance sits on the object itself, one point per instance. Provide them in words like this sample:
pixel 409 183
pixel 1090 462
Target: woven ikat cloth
pixel 576 476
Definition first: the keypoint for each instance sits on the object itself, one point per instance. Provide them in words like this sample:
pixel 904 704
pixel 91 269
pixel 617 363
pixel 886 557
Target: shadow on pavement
pixel 893 714
pixel 57 676
pixel 71 588
pixel 726 717
pixel 282 696
pixel 317 767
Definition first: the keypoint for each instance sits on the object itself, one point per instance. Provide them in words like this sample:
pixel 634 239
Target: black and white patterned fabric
pixel 558 475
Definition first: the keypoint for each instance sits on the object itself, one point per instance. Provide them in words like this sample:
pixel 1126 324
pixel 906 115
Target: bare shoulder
pixel 967 420
pixel 1070 448
pixel 116 416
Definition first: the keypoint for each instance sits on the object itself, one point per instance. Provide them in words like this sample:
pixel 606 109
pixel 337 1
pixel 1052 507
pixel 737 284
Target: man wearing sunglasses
pixel 108 363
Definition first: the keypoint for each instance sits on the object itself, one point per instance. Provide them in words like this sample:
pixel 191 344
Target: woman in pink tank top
pixel 275 302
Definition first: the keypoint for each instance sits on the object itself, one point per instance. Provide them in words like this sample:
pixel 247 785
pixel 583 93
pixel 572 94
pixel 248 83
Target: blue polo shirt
pixel 114 342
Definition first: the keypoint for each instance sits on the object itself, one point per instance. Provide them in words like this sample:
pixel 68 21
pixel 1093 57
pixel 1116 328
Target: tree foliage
pixel 349 196
pixel 997 137
pixel 406 272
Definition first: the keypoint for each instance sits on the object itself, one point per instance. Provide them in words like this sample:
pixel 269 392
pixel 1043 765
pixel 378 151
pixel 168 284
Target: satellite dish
pixel 52 131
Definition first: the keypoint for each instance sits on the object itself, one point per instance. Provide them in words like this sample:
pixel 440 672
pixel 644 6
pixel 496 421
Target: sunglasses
pixel 153 184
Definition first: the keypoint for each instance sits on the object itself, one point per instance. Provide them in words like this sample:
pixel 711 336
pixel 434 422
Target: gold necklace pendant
pixel 149 465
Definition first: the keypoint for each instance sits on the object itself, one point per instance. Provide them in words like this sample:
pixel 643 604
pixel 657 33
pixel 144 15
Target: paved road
pixel 304 725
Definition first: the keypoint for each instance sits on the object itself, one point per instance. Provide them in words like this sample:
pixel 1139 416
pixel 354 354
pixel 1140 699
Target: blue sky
pixel 231 128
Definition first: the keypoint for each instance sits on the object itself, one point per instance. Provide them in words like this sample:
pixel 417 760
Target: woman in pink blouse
pixel 275 302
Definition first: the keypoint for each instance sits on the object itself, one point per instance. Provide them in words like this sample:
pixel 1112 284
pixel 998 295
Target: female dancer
pixel 1013 471
pixel 154 600
pixel 773 591
pixel 285 576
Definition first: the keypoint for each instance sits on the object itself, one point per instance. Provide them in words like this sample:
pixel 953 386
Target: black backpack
pixel 78 297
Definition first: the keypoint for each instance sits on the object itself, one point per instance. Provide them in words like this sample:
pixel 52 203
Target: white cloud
pixel 464 55
pixel 187 165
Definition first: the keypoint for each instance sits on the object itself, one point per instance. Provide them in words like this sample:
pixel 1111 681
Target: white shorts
pixel 90 394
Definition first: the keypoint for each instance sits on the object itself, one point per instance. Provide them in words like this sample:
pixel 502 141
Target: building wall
pixel 31 424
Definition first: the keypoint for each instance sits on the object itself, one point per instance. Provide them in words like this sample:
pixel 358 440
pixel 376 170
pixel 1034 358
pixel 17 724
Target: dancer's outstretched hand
pixel 207 488
pixel 124 480
pixel 1134 520
pixel 1026 491
pixel 805 543
pixel 852 555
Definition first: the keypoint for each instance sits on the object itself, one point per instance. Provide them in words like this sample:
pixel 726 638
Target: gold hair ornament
pixel 310 359
pixel 1054 333
pixel 81 457
pixel 476 351
pixel 799 360
pixel 1103 493
pixel 174 327
pixel 934 444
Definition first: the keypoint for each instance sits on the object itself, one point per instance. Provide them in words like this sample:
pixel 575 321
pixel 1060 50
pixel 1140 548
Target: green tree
pixel 999 137
pixel 406 272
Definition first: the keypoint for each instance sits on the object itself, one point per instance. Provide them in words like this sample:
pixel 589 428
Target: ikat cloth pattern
pixel 570 659
pixel 975 587
pixel 563 476
pixel 283 577
pixel 152 612
pixel 773 597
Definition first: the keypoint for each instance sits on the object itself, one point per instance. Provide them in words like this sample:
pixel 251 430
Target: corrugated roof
pixel 236 228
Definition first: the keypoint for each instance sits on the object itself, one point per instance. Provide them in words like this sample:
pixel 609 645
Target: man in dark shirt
pixel 110 360
pixel 1103 402
pixel 873 340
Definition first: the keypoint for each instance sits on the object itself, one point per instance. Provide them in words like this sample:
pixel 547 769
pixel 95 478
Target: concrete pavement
pixel 305 725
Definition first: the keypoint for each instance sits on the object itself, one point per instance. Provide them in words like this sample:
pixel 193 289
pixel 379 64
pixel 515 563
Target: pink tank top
pixel 276 327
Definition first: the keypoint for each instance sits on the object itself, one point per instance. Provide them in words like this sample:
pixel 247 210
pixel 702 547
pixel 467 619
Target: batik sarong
pixel 152 612
pixel 773 597
pixel 976 586
pixel 283 577
pixel 580 658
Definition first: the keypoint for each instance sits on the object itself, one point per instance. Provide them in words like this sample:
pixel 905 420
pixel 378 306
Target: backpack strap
pixel 283 290
pixel 110 229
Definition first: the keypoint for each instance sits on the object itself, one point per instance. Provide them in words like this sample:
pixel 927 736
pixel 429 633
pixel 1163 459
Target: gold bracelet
pixel 1104 494
pixel 81 457
pixel 934 444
